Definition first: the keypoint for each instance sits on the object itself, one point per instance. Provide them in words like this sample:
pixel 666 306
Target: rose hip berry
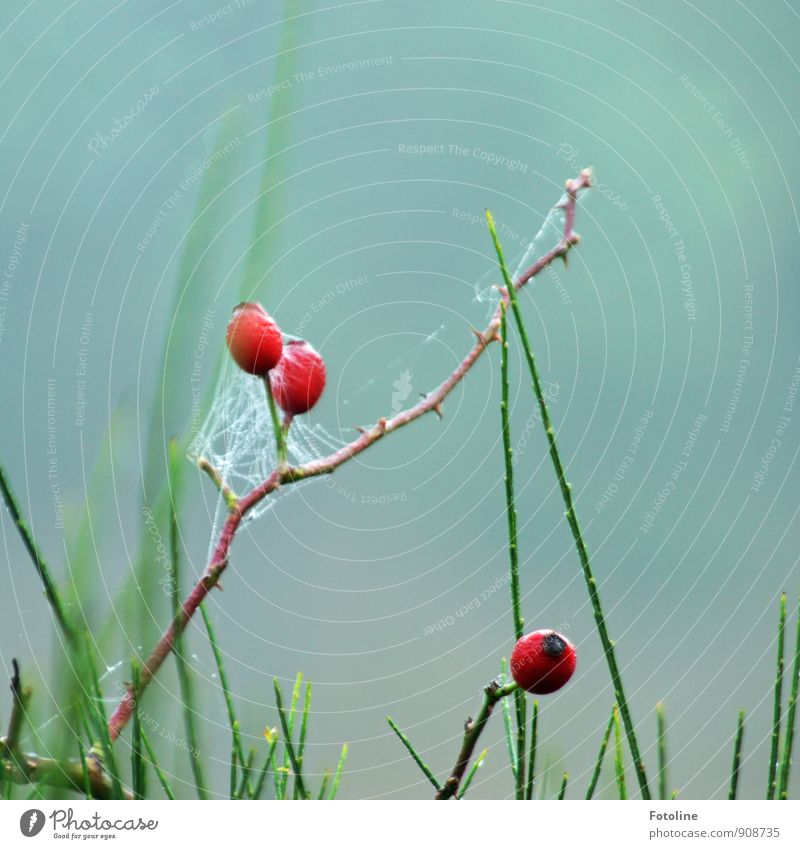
pixel 254 340
pixel 299 378
pixel 543 661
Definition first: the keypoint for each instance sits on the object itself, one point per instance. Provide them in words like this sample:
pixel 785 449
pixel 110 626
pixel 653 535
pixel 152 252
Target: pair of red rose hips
pixel 295 370
pixel 543 661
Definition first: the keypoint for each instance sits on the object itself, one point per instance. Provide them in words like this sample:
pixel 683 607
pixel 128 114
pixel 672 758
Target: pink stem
pixel 287 475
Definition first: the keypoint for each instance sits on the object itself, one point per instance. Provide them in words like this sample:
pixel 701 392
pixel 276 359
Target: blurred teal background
pixel 679 309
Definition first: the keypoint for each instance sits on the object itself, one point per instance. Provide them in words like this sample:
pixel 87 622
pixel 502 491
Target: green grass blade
pixel 272 737
pixel 661 731
pixel 619 764
pixel 301 743
pixel 572 519
pixel 287 740
pixel 39 563
pixel 776 713
pixel 598 767
pixel 511 743
pixel 270 205
pixel 97 716
pixel 737 756
pixel 513 553
pixel 532 752
pixel 244 783
pixel 337 777
pixel 138 775
pixel 563 791
pixel 87 784
pixel 323 789
pixel 236 738
pixel 471 774
pixel 786 761
pixel 162 778
pixel 426 770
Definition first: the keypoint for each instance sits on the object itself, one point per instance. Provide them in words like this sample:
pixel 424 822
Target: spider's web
pixel 547 237
pixel 237 435
pixel 238 439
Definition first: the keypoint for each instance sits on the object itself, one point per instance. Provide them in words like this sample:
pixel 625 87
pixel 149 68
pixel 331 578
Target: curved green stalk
pixel 572 520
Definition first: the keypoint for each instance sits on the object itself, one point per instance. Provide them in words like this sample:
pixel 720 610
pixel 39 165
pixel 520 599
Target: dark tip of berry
pixel 553 645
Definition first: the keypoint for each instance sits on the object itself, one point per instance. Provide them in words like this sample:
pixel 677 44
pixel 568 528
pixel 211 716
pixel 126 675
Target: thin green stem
pixel 572 520
pixel 598 767
pixel 337 777
pixel 471 774
pixel 42 569
pixel 269 762
pixel 532 752
pixel 562 792
pixel 426 770
pixel 282 775
pixel 619 764
pixel 776 712
pixel 786 761
pixel 280 436
pixel 511 742
pixel 661 733
pixel 97 716
pixel 513 552
pixel 184 678
pixel 301 745
pixel 159 772
pixel 138 775
pixel 737 756
pixel 87 784
pixel 287 735
pixel 323 787
pixel 236 741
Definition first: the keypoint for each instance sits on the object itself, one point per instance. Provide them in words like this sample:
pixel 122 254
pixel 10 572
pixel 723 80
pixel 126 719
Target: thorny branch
pixel 286 474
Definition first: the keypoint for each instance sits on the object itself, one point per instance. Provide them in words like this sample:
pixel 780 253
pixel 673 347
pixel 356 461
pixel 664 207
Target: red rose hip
pixel 254 340
pixel 543 661
pixel 299 378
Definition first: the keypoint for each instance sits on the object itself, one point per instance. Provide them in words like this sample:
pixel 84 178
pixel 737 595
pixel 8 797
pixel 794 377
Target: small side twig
pixel 472 732
pixel 85 775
